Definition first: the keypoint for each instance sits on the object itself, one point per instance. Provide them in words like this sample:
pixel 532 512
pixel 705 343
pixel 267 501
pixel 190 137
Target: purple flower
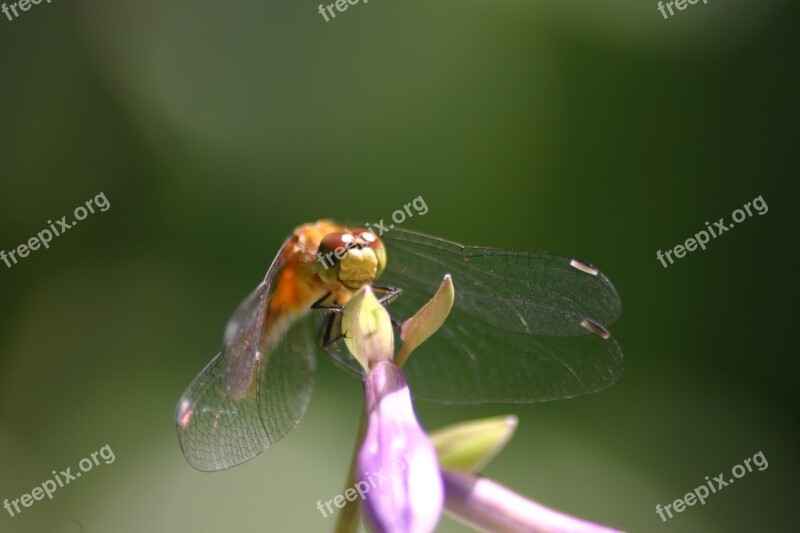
pixel 397 466
pixel 489 506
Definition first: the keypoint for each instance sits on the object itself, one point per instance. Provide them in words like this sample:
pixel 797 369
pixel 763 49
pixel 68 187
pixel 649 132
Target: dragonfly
pixel 525 327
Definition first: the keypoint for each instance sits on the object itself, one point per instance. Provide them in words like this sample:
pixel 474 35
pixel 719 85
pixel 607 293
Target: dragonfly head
pixel 352 258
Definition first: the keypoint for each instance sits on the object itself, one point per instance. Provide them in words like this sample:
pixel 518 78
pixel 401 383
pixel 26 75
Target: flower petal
pixel 489 506
pixel 397 465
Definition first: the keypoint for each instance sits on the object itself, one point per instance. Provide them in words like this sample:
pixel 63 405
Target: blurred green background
pixel 595 129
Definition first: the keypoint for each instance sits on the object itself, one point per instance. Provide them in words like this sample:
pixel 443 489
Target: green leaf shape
pixel 427 320
pixel 468 446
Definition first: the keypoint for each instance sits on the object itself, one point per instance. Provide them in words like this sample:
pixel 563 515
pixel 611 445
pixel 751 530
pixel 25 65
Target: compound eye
pixel 351 258
pixel 372 242
pixel 332 249
pixel 342 240
pixel 367 237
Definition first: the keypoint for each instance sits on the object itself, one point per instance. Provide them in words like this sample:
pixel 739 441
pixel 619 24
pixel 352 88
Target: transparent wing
pixel 253 392
pixel 520 291
pixel 216 431
pixel 525 326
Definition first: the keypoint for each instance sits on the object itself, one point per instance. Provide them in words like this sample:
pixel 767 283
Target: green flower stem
pixel 348 517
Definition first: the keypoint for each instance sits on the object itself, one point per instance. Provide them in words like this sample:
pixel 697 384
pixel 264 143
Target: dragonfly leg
pixel 330 307
pixel 331 331
pixel 392 293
